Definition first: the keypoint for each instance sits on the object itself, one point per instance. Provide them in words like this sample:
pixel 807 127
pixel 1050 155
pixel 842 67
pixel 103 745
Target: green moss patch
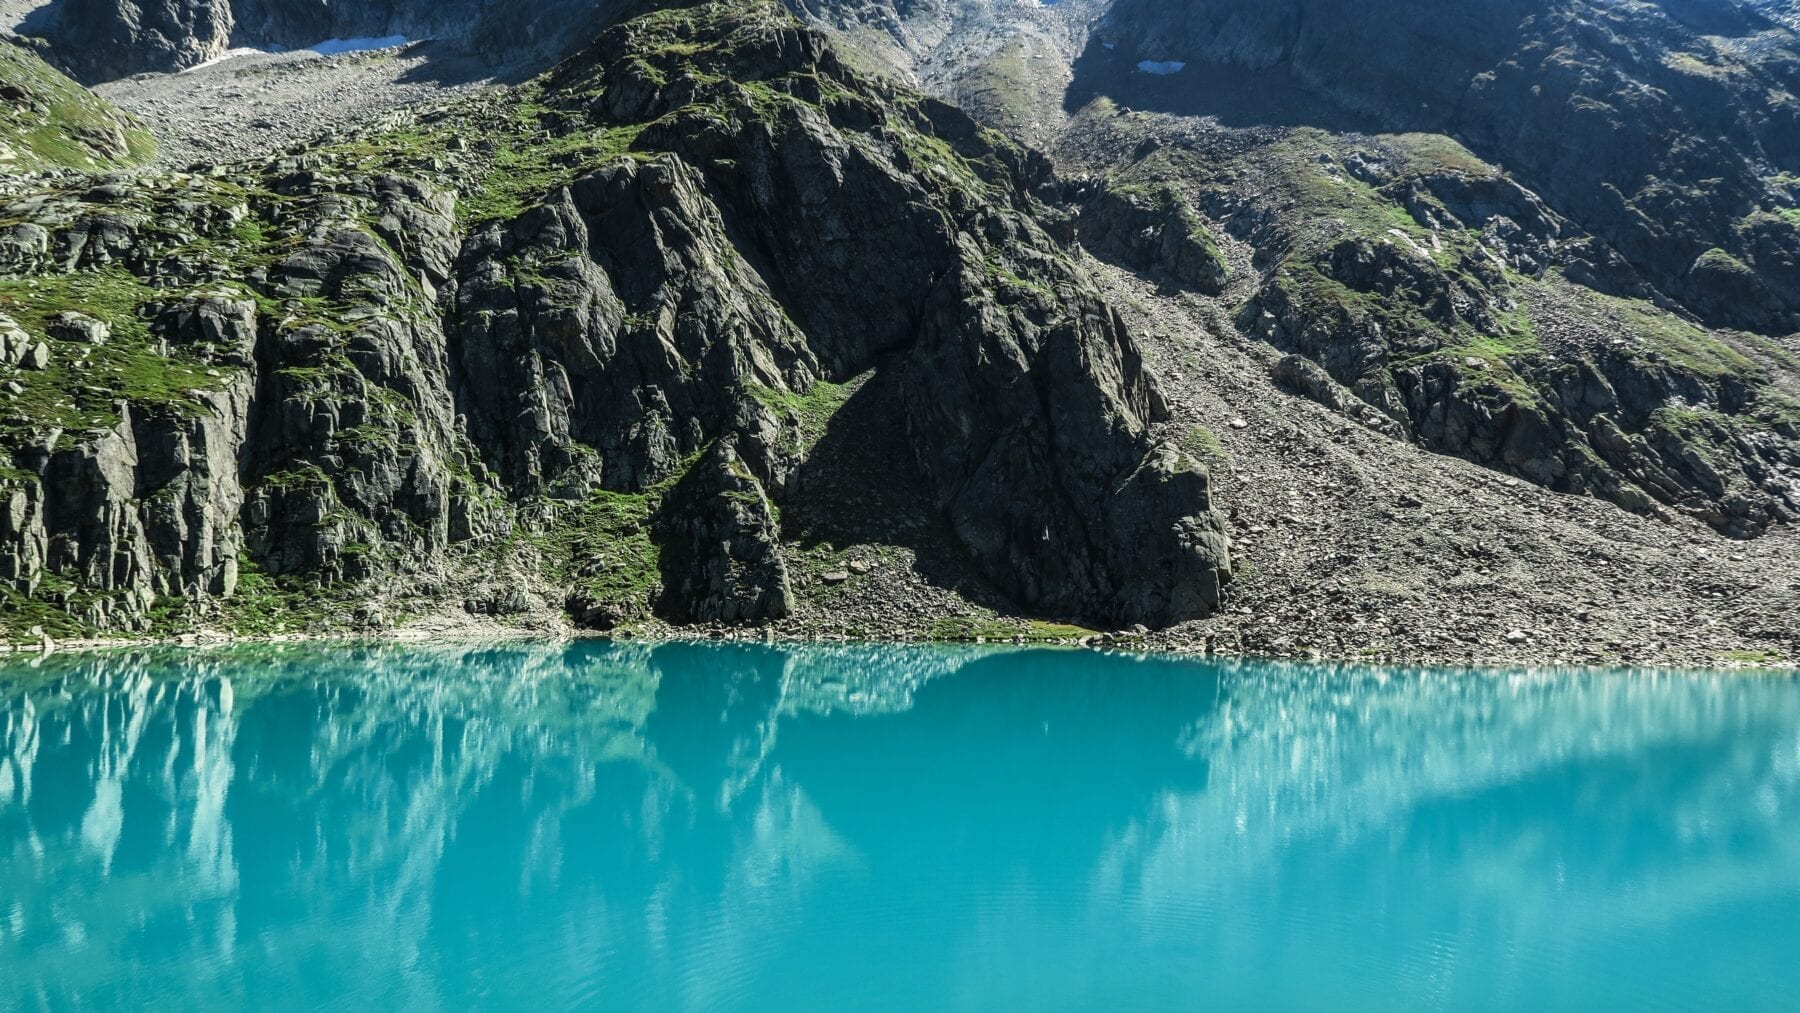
pixel 1203 444
pixel 47 120
pixel 814 409
pixel 523 171
pixel 1680 341
pixel 602 549
pixel 267 605
pixel 82 383
pixel 1034 631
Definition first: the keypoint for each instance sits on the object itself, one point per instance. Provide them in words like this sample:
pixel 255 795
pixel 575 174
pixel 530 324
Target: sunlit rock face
pixel 427 825
pixel 370 393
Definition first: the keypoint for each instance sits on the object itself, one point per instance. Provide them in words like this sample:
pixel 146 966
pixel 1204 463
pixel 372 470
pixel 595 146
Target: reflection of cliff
pixel 1566 821
pixel 1338 750
pixel 397 795
pixel 694 819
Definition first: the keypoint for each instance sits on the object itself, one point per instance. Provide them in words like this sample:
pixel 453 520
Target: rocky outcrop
pixel 1153 231
pixel 559 362
pixel 1464 334
pixel 721 559
pixel 18 348
pixel 147 510
pixel 1663 129
pixel 101 40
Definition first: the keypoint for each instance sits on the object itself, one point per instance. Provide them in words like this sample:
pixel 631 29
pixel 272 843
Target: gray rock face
pixel 1156 232
pixel 147 510
pixel 603 378
pixel 721 557
pixel 103 40
pixel 18 348
pixel 79 327
pixel 100 40
pixel 1663 129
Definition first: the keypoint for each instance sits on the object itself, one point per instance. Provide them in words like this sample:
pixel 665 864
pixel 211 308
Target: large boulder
pixel 721 554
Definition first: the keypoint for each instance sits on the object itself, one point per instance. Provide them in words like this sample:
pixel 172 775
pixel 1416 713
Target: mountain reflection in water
pixel 696 825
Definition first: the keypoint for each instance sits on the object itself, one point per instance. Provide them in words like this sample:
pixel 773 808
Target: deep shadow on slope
pixel 861 485
pixel 1235 97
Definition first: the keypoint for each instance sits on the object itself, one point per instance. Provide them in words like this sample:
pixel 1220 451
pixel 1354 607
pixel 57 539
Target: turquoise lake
pixel 699 826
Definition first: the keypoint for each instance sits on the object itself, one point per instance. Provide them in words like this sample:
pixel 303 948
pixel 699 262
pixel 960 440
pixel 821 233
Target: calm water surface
pixel 723 827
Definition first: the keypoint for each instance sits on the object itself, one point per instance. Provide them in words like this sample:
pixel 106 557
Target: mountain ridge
pixel 342 418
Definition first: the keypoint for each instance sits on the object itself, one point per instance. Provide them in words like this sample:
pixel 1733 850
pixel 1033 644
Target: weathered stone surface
pixel 403 382
pixel 721 556
pixel 148 509
pixel 79 327
pixel 15 343
pixel 99 40
pixel 1156 232
pixel 102 40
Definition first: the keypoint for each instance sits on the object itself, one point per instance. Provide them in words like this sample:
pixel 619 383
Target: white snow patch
pixel 330 47
pixel 1162 67
pixel 1109 45
pixel 230 54
pixel 335 47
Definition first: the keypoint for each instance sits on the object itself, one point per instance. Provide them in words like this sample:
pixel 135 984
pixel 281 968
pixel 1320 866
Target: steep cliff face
pixel 1671 130
pixel 100 40
pixel 571 346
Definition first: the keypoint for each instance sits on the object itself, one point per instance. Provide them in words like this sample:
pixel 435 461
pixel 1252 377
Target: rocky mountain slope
pixel 1503 237
pixel 1671 131
pixel 570 347
pixel 1486 330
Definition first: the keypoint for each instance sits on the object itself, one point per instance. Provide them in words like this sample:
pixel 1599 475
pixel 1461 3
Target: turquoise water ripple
pixel 728 827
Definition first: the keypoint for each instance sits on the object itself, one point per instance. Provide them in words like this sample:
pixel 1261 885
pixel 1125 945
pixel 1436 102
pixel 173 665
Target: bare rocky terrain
pixel 1354 544
pixel 256 104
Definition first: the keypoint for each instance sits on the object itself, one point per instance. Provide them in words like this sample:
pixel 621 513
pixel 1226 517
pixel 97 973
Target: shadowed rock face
pixel 102 40
pixel 586 356
pixel 1664 129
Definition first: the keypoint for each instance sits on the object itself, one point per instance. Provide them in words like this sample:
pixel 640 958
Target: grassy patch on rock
pixel 810 413
pixel 1674 338
pixel 601 550
pixel 47 120
pixel 527 166
pixel 1203 444
pixel 80 386
pixel 968 629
